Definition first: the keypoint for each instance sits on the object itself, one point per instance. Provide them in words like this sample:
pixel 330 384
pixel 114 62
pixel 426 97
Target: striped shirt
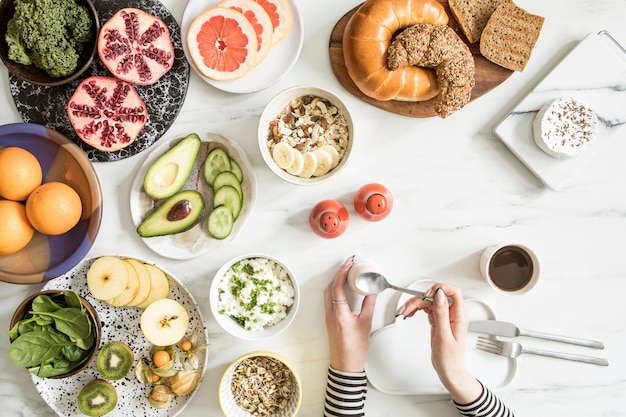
pixel 346 392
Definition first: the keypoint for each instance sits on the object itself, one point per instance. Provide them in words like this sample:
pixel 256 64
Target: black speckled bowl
pixel 36 75
pixel 24 307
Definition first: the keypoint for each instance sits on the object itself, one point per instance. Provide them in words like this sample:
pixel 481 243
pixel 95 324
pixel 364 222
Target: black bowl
pixel 38 76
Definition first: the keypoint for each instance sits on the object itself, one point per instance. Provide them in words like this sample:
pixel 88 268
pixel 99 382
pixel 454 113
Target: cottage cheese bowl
pixel 305 135
pixel 254 297
pixel 271 376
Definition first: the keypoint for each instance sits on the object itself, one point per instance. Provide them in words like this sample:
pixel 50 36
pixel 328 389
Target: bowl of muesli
pixel 254 296
pixel 260 383
pixel 305 135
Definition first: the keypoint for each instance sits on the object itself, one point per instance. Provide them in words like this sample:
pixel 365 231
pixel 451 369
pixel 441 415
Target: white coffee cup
pixel 510 269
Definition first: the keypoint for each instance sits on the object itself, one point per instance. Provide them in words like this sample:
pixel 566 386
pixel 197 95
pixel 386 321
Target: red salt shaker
pixel 373 202
pixel 329 219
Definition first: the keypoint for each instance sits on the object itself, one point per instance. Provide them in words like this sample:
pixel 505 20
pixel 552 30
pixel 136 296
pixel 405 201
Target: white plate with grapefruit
pixel 242 46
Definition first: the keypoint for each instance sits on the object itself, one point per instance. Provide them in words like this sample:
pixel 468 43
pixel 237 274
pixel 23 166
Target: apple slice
pixel 145 283
pixel 159 286
pixel 132 287
pixel 164 322
pixel 107 277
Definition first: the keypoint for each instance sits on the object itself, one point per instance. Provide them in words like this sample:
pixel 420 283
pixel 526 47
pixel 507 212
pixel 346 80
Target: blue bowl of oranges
pixel 50 204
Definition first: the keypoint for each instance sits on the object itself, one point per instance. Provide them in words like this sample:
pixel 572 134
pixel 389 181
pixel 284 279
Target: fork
pixel 514 349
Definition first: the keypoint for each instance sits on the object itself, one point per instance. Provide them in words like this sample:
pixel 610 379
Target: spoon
pixel 374 283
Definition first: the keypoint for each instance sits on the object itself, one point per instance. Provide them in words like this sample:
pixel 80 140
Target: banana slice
pixel 298 163
pixel 324 162
pixel 332 151
pixel 310 165
pixel 283 155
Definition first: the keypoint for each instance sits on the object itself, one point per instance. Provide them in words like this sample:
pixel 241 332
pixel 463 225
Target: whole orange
pixel 54 208
pixel 20 173
pixel 15 230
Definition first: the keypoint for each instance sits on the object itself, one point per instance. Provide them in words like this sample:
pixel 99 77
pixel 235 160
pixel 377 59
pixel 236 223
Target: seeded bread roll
pixel 439 47
pixel 510 36
pixel 473 15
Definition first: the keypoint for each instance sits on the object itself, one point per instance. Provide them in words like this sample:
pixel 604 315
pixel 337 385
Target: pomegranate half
pixel 136 46
pixel 107 113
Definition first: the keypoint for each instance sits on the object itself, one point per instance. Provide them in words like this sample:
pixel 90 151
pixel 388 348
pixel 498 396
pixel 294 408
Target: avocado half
pixel 178 213
pixel 169 172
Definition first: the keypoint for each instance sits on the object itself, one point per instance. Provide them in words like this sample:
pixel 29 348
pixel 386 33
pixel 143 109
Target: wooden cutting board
pixel 488 75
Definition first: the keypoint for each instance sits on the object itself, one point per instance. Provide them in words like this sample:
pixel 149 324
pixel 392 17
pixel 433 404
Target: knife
pixel 502 328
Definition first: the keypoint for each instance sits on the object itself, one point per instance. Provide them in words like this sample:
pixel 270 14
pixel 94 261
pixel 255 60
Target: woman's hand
pixel 448 330
pixel 348 333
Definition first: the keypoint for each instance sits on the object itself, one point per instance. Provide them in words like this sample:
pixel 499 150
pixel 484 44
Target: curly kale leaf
pixel 17 48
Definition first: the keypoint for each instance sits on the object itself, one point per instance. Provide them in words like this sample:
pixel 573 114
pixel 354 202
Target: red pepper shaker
pixel 373 202
pixel 329 219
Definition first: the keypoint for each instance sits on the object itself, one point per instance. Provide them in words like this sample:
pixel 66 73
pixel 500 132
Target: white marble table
pixel 457 189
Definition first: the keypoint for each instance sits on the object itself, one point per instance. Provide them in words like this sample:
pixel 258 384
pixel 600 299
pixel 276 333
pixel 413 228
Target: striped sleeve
pixel 486 405
pixel 345 393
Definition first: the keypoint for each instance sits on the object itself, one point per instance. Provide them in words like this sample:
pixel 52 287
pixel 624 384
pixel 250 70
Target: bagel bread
pixel 367 37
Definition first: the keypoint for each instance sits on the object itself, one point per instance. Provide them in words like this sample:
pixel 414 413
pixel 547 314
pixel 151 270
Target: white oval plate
pixel 195 241
pixel 276 64
pixel 399 361
pixel 122 324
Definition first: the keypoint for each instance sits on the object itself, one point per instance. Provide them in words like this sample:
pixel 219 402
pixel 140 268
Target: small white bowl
pixel 272 111
pixel 233 327
pixel 227 400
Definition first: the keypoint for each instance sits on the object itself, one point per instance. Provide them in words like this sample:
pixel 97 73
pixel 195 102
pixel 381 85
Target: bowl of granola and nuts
pixel 305 135
pixel 260 383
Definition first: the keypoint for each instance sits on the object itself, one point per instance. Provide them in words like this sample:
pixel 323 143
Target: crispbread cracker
pixel 472 15
pixel 510 36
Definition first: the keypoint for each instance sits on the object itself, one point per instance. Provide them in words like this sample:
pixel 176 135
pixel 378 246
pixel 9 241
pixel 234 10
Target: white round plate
pixel 121 324
pixel 195 241
pixel 276 64
pixel 399 361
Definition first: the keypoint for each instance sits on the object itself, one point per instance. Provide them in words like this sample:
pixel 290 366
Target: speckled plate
pixel 118 323
pixel 278 62
pixel 48 105
pixel 195 241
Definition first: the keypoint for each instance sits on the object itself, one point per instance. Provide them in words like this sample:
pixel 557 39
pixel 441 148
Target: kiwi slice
pixel 97 398
pixel 114 360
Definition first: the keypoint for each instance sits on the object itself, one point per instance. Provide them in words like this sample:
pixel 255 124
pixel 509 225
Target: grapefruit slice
pixel 260 21
pixel 222 43
pixel 280 13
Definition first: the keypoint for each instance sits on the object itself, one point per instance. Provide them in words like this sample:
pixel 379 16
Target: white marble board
pixel 593 72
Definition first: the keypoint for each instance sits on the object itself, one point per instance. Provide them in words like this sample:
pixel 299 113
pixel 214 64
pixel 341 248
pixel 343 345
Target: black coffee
pixel 511 268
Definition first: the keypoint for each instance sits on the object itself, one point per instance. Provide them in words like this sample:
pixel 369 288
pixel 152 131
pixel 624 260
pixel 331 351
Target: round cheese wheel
pixel 565 128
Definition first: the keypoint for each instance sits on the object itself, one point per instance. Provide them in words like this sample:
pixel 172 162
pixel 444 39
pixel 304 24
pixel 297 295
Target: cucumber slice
pixel 216 161
pixel 220 222
pixel 227 178
pixel 236 169
pixel 228 196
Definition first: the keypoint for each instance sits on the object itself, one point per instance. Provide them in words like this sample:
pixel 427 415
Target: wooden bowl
pixel 23 309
